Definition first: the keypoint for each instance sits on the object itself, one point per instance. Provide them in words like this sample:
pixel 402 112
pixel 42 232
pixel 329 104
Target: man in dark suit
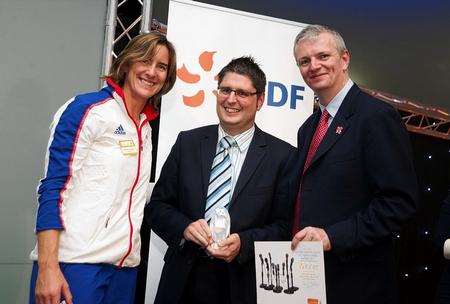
pixel 357 183
pixel 257 193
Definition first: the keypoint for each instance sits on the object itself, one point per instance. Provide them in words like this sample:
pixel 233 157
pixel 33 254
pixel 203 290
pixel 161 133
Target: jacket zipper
pixel 130 242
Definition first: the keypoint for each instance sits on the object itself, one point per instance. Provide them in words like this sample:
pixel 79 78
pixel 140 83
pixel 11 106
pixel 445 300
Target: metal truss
pixel 128 18
pixel 418 118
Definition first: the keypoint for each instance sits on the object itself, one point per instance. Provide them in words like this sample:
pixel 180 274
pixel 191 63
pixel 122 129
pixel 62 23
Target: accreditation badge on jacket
pixel 128 147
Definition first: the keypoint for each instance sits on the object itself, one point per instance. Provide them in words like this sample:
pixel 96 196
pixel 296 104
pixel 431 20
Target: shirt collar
pixel 337 100
pixel 243 139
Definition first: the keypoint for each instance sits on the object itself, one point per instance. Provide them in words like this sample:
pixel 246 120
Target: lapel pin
pixel 339 130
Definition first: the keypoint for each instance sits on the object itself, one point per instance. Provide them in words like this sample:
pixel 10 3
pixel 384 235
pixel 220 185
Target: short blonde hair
pixel 141 48
pixel 314 30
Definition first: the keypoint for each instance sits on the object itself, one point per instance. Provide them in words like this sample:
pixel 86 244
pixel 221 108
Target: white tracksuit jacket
pixel 97 172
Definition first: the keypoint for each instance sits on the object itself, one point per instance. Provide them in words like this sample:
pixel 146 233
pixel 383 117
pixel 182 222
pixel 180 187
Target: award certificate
pixel 286 276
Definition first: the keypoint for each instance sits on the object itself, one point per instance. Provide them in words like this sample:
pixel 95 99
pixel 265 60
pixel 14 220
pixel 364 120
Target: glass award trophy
pixel 219 226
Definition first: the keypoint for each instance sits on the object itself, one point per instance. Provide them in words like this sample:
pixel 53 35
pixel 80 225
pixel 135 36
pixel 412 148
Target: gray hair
pixel 311 32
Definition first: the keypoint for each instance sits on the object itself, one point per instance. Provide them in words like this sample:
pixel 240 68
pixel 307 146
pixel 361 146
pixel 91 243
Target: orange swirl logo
pixel 206 63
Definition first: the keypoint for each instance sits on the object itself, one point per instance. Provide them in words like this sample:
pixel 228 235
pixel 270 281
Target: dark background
pixel 397 46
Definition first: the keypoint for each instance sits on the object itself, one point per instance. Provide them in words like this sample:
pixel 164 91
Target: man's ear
pixel 260 101
pixel 345 57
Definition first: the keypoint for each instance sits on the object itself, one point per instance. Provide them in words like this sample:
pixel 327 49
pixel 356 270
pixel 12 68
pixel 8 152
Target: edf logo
pixel 274 89
pixel 281 88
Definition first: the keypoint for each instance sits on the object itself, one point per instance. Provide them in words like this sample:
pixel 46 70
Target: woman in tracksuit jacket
pixel 96 181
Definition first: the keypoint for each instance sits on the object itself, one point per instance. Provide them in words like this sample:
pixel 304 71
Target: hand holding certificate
pixel 287 276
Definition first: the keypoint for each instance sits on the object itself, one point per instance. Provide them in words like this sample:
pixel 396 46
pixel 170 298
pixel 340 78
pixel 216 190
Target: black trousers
pixel 208 283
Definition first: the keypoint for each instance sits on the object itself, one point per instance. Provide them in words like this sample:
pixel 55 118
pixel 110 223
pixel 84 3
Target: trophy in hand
pixel 219 226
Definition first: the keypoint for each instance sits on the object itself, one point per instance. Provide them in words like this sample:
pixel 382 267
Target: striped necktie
pixel 219 188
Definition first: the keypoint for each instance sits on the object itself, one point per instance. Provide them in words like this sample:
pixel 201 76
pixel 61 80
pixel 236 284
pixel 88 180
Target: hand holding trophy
pixel 220 226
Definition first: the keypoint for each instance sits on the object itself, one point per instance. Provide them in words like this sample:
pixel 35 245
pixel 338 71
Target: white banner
pixel 206 38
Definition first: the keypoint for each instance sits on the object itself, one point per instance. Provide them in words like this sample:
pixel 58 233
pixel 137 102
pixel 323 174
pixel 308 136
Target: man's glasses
pixel 225 92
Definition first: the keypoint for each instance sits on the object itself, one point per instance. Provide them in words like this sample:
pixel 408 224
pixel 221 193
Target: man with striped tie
pixel 233 165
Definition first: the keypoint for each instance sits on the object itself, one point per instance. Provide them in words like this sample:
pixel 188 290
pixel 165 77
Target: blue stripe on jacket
pixel 60 152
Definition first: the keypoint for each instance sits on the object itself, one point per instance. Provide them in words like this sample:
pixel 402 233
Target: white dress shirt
pixel 333 107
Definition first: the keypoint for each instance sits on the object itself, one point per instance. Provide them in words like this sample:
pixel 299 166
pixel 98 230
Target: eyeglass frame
pixel 242 94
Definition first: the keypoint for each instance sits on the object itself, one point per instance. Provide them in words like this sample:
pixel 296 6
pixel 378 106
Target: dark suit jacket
pixel 359 187
pixel 442 234
pixel 259 209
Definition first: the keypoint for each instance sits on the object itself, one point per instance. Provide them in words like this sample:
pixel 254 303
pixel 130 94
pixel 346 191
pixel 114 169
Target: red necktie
pixel 315 142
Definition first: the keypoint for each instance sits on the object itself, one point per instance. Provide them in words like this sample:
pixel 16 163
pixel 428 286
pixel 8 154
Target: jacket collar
pixel 149 110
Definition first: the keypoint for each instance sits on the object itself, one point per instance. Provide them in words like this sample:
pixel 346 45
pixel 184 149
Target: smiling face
pixel 144 79
pixel 322 66
pixel 237 114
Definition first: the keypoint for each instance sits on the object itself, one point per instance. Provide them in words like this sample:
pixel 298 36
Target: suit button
pixel 190 261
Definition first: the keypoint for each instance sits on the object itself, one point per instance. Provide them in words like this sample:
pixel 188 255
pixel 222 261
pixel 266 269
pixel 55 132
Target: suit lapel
pixel 255 154
pixel 208 147
pixel 339 125
pixel 335 131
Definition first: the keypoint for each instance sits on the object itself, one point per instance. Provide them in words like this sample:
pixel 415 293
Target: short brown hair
pixel 245 66
pixel 141 48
